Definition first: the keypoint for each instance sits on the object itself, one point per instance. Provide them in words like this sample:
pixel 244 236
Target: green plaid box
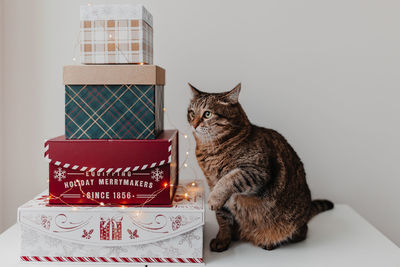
pixel 113 102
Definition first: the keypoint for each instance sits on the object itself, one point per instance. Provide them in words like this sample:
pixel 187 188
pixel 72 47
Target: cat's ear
pixel 195 91
pixel 233 95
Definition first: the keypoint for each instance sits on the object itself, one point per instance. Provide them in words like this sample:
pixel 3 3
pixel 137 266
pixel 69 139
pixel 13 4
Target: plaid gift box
pixel 116 34
pixel 113 101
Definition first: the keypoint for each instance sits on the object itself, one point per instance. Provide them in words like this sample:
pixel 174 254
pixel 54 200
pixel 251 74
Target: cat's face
pixel 213 115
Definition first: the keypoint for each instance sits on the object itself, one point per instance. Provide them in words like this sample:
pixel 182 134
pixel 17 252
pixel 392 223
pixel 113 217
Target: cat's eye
pixel 191 114
pixel 207 114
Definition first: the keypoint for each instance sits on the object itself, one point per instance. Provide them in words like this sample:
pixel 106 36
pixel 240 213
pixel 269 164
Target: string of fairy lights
pixel 184 165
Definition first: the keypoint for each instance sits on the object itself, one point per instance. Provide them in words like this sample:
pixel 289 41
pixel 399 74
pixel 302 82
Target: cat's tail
pixel 320 205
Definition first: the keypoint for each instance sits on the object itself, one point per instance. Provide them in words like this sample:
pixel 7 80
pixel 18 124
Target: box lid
pixel 123 225
pixel 110 155
pixel 115 12
pixel 113 74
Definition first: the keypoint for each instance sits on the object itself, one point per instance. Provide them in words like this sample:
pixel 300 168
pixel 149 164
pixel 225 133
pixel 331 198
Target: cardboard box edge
pixel 105 74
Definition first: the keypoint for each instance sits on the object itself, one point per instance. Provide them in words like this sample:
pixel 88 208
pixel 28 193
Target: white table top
pixel 339 237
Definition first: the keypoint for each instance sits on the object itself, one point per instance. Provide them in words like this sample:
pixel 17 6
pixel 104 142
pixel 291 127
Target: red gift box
pixel 113 172
pixel 115 224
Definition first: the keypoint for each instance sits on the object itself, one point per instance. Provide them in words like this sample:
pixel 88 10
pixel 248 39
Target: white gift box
pixel 116 34
pixel 140 235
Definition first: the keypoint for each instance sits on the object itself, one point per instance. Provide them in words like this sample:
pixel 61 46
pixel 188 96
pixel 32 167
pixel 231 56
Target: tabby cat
pixel 257 182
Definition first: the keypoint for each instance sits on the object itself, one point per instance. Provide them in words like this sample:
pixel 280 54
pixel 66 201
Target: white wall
pixel 1 116
pixel 323 73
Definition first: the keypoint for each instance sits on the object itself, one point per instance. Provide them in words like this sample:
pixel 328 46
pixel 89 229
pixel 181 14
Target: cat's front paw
pixel 215 201
pixel 218 245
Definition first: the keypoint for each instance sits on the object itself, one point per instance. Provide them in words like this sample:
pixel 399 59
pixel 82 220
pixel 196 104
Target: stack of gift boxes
pixel 113 193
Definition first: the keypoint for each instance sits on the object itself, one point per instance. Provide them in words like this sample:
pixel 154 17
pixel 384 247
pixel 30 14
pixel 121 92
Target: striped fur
pixel 320 205
pixel 257 181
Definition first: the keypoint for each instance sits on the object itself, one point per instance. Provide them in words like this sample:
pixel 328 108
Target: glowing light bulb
pixel 110 35
pixel 123 207
pixel 186 195
pixel 193 184
pixel 73 59
pixel 141 63
pixel 187 152
pixel 185 165
pixel 164 109
pixel 165 184
pixel 171 185
pixel 185 136
pixel 101 203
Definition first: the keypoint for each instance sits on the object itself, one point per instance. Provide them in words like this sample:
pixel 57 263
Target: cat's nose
pixel 196 123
